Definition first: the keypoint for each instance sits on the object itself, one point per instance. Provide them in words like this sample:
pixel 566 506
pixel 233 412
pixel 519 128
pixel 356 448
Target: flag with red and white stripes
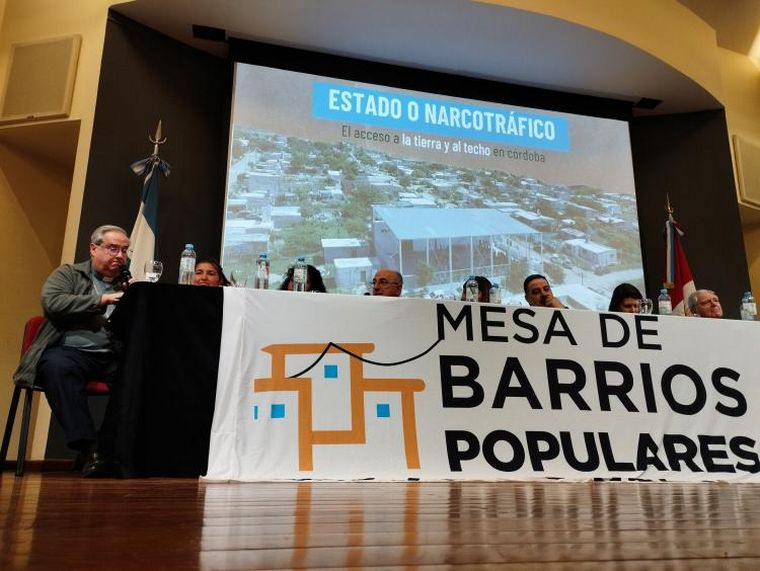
pixel 678 278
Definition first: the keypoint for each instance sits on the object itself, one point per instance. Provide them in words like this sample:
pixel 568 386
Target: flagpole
pixel 144 236
pixel 668 282
pixel 678 278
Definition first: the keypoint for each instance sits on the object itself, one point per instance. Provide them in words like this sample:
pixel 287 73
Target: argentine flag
pixel 144 238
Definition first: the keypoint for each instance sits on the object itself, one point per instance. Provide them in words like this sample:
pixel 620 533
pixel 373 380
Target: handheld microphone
pixel 124 277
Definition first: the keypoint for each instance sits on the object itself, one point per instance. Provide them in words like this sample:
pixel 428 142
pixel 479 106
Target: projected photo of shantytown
pixel 356 177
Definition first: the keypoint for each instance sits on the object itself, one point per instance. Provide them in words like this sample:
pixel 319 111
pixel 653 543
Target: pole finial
pixel 157 139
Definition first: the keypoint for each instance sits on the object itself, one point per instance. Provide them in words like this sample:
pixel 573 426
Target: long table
pixel 159 416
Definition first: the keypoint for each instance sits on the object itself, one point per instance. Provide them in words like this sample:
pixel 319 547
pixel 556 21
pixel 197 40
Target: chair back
pixel 94 387
pixel 98 388
pixel 30 332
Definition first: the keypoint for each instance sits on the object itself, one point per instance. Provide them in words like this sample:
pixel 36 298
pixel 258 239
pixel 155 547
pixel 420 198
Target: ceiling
pixel 455 36
pixel 736 22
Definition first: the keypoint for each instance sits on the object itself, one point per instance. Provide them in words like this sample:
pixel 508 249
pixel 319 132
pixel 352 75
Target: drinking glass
pixel 645 305
pixel 153 270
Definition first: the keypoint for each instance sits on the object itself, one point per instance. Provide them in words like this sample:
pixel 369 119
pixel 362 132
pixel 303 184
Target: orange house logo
pixel 359 385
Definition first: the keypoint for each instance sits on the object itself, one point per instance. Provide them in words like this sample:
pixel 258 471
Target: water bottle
pixel 748 307
pixel 262 272
pixel 471 289
pixel 494 296
pixel 300 273
pixel 664 306
pixel 187 265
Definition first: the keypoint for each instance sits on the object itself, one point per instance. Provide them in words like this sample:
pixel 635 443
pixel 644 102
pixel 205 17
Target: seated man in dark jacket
pixel 72 346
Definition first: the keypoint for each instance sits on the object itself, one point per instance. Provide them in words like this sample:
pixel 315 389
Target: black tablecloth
pixel 158 419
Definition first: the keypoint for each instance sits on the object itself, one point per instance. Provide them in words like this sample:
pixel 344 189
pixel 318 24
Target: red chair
pixel 94 388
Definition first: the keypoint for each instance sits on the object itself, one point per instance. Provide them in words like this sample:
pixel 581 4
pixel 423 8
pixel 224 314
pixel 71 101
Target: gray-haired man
pixel 72 346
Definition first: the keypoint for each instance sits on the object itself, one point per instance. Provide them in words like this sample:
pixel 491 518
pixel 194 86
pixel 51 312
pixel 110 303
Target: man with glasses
pixel 387 282
pixel 72 345
pixel 705 303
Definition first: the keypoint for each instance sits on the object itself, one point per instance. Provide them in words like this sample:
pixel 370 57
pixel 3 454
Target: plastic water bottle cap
pixel 188 246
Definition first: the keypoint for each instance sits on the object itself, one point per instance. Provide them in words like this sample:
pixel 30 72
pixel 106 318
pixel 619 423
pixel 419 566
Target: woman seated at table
pixel 313 280
pixel 484 289
pixel 208 272
pixel 625 299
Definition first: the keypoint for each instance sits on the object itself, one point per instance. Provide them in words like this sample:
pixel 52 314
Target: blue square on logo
pixel 383 410
pixel 255 412
pixel 278 411
pixel 331 371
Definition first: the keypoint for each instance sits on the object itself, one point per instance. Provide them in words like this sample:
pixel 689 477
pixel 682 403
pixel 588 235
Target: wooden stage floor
pixel 58 521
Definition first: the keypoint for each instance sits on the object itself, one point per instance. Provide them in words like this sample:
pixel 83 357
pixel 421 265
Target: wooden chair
pixel 94 388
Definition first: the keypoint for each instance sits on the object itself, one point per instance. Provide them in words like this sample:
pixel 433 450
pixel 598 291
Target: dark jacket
pixel 68 302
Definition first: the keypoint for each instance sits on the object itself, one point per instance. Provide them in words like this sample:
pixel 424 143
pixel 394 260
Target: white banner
pixel 316 386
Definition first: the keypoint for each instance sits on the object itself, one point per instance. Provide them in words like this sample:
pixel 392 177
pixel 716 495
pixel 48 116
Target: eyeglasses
pixel 382 282
pixel 114 250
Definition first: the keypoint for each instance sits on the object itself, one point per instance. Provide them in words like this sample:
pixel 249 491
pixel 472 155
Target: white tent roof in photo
pixel 432 223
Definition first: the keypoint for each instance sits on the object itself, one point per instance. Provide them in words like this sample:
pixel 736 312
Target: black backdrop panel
pixel 146 76
pixel 687 156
